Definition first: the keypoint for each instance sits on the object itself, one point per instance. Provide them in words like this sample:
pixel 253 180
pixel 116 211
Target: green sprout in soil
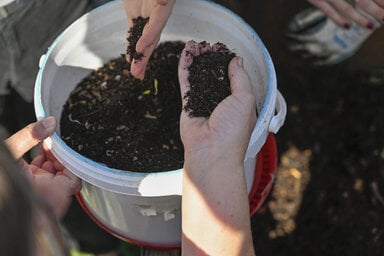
pixel 156 86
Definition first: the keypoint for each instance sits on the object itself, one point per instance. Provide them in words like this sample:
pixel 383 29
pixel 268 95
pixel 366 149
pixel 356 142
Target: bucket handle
pixel 281 111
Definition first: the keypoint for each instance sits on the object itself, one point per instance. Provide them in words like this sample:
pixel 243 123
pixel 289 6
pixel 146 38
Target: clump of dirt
pixel 208 79
pixel 126 123
pixel 135 33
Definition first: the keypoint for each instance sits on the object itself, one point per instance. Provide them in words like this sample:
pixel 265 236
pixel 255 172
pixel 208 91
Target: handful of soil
pixel 208 78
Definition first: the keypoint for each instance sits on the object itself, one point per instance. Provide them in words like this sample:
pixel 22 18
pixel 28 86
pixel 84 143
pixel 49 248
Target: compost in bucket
pixel 131 124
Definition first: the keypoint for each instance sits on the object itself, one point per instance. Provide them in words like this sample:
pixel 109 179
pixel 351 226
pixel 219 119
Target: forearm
pixel 215 200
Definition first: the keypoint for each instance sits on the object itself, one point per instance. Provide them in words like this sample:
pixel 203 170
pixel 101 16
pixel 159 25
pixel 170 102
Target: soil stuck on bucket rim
pixel 131 124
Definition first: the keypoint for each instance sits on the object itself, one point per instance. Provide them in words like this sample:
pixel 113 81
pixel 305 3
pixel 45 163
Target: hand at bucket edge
pixel 158 12
pixel 53 182
pixel 230 125
pixel 215 207
pixel 366 13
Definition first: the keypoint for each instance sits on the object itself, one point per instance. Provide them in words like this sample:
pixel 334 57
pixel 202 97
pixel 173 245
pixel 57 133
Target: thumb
pixel 25 139
pixel 238 76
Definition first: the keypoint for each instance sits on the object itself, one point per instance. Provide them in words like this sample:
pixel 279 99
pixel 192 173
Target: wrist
pixel 205 168
pixel 214 157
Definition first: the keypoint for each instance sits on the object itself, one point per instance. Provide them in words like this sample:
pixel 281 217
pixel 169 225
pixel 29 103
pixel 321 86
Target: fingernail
pixel 370 25
pixel 240 62
pixel 49 123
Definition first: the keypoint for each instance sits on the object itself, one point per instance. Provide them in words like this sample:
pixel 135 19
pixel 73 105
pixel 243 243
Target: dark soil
pixel 209 81
pixel 134 34
pixel 127 123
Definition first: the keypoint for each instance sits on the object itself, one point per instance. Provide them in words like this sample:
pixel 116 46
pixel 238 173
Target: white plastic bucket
pixel 145 207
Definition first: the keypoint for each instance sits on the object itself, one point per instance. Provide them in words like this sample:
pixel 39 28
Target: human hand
pixel 54 183
pixel 214 187
pixel 227 131
pixel 314 37
pixel 158 12
pixel 365 13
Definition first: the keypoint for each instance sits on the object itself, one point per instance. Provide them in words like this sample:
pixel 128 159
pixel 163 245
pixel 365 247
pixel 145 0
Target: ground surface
pixel 328 196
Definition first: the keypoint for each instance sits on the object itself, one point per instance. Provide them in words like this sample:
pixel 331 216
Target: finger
pixel 332 13
pixel 138 66
pixel 48 166
pixel 149 39
pixel 360 19
pixel 185 61
pixel 373 8
pixel 25 139
pixel 39 160
pixel 351 13
pixel 26 168
pixel 132 9
pixel 158 18
pixel 238 77
pixel 44 168
pixel 74 181
pixel 153 29
pixel 49 156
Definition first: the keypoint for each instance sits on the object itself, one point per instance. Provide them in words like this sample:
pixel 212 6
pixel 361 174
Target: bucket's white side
pixel 151 220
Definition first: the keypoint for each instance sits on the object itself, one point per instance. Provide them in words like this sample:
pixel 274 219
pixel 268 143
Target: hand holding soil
pixel 230 124
pixel 145 40
pixel 215 145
